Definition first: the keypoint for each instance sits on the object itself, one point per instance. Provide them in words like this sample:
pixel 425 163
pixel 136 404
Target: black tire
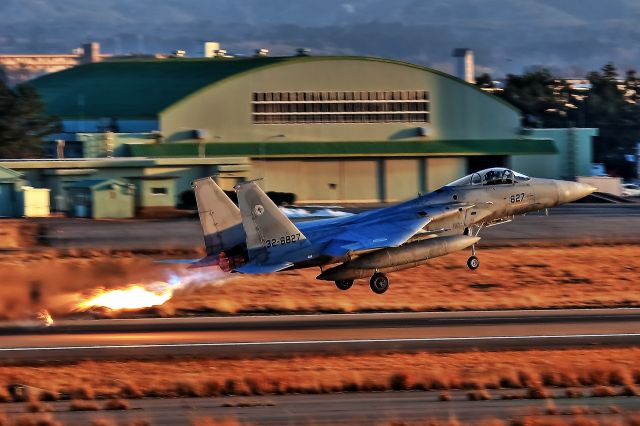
pixel 344 284
pixel 473 263
pixel 379 283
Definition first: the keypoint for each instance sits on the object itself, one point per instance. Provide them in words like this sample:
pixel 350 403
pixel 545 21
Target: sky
pixel 570 37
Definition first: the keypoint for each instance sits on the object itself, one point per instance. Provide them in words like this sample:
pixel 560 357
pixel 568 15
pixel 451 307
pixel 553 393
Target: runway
pixel 573 223
pixel 340 333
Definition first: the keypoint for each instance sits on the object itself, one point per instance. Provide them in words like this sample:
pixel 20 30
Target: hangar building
pixel 327 128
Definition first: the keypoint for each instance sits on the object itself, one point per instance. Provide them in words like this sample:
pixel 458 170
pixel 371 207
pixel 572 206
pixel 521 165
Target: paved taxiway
pixel 261 335
pixel 334 409
pixel 603 223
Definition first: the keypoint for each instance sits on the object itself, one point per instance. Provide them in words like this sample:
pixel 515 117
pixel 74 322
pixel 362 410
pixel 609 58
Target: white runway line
pixel 450 315
pixel 316 342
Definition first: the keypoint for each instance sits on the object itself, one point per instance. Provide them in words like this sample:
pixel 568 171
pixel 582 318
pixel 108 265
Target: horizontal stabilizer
pixel 193 263
pixel 205 262
pixel 178 261
pixel 255 268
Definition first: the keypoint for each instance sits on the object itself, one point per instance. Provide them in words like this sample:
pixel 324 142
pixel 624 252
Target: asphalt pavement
pixel 339 409
pixel 575 223
pixel 340 333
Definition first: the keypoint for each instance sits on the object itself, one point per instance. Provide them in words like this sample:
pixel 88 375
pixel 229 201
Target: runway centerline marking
pixel 317 342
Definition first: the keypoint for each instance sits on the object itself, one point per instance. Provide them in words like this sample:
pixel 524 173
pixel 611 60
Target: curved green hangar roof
pixel 134 88
pixel 141 89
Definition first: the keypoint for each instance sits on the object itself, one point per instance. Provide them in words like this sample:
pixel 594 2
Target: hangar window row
pixel 340 107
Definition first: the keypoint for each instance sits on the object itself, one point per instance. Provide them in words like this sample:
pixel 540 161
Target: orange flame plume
pixel 133 297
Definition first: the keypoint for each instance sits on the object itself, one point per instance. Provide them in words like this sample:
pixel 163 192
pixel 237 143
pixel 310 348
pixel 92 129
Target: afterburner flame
pixel 133 297
pixel 45 317
pixel 145 295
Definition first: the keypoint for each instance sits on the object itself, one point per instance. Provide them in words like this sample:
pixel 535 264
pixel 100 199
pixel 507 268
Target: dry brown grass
pixel 208 421
pixel 537 392
pixel 629 390
pixel 525 277
pixel 139 422
pixel 32 420
pixel 116 404
pixel 603 392
pixel 38 407
pixel 102 422
pixel 479 395
pixel 81 405
pixel 84 392
pixel 573 393
pixel 444 396
pixel 548 279
pixel 517 370
pixel 46 395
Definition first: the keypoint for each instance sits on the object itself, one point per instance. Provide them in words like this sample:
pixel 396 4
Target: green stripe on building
pixel 351 148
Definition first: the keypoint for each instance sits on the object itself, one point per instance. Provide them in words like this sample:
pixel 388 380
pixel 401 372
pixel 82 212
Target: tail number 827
pixel 517 198
pixel 286 239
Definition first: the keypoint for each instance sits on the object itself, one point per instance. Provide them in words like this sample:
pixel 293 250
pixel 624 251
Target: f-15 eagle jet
pixel 257 238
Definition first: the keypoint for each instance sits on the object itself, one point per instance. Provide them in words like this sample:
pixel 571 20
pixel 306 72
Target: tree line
pixel 610 102
pixel 23 121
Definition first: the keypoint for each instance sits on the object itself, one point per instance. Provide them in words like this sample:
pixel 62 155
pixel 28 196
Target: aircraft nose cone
pixel 573 191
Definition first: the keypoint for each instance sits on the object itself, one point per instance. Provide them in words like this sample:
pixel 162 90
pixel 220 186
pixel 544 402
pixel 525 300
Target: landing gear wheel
pixel 379 283
pixel 473 263
pixel 344 284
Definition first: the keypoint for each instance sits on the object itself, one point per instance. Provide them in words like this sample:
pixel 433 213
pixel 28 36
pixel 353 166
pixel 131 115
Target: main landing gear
pixel 344 284
pixel 379 283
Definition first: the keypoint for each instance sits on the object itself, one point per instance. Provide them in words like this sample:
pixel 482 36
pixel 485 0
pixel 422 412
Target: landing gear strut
pixel 379 283
pixel 344 284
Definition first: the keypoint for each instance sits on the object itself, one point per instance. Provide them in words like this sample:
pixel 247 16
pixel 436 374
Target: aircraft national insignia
pixel 258 210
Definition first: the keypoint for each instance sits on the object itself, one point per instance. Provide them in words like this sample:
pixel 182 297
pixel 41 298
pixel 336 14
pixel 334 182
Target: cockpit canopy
pixel 493 176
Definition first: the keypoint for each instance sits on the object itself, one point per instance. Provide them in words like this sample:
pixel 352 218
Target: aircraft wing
pixel 388 229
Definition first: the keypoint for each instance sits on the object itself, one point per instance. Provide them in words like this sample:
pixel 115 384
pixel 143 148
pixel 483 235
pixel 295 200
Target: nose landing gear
pixel 473 263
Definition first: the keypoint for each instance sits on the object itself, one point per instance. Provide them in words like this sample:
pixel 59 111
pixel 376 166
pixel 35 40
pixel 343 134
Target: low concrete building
pixel 175 175
pixel 36 201
pixel 101 199
pixel 10 193
pixel 155 194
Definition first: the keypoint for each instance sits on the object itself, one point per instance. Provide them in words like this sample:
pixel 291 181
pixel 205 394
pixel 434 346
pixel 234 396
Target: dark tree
pixel 611 104
pixel 539 96
pixel 612 108
pixel 23 123
pixel 485 81
pixel 609 72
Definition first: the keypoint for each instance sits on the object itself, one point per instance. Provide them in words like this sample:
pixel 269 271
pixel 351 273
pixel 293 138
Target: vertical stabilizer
pixel 270 234
pixel 219 217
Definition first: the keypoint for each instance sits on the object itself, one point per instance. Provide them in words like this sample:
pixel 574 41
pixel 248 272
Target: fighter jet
pixel 256 237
